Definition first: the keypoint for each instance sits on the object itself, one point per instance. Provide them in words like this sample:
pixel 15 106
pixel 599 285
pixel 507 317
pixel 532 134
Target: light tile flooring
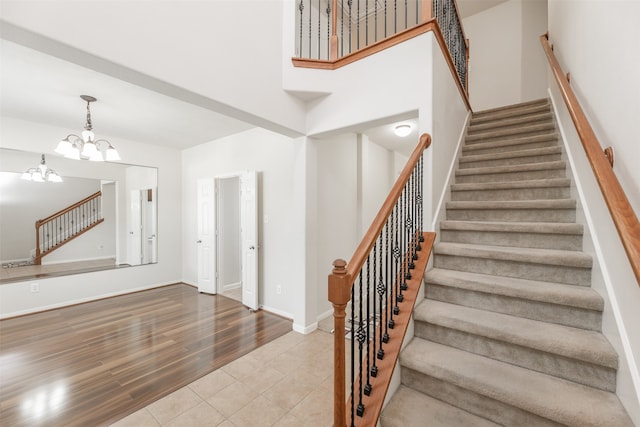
pixel 287 382
pixel 234 294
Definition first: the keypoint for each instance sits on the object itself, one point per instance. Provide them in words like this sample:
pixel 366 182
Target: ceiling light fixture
pixel 402 130
pixel 41 173
pixel 87 147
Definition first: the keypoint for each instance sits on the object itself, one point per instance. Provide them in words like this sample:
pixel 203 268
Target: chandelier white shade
pixel 86 147
pixel 41 173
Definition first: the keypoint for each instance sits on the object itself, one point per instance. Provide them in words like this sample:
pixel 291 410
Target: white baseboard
pixel 276 311
pixel 324 315
pixel 63 261
pixel 83 300
pixel 305 329
pixel 231 286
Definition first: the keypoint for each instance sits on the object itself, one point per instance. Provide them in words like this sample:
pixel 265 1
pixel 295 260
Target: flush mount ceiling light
pixel 87 147
pixel 41 173
pixel 402 130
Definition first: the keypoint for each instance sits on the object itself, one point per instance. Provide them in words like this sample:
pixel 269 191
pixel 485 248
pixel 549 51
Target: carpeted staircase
pixel 509 331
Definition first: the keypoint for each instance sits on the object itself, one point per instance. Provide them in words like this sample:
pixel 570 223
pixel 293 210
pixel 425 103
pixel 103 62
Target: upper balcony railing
pixel 328 30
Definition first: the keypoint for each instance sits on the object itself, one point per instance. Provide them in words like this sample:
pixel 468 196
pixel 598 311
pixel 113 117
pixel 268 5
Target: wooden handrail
pixel 68 209
pixel 343 276
pixel 41 222
pixel 624 218
pixel 425 27
pixel 369 239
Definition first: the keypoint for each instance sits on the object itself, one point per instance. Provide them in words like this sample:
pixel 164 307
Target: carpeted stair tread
pixel 527 167
pixel 502 133
pixel 508 185
pixel 515 204
pixel 510 122
pixel 523 255
pixel 514 227
pixel 554 293
pixel 512 154
pixel 499 113
pixel 573 343
pixel 552 398
pixel 409 407
pixel 512 143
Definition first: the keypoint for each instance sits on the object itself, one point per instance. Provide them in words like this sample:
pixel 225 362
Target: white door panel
pixel 249 225
pixel 206 236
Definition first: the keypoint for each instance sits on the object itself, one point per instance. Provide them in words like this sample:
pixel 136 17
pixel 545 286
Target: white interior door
pixel 134 246
pixel 249 230
pixel 206 236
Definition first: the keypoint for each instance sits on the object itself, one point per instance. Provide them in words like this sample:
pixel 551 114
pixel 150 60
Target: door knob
pixel 252 247
pixel 198 241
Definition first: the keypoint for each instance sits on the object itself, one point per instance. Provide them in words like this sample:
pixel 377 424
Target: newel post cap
pixel 339 286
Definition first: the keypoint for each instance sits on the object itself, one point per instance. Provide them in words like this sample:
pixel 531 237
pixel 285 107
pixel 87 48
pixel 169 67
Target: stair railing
pixel 60 228
pixel 328 30
pixel 624 218
pixel 373 297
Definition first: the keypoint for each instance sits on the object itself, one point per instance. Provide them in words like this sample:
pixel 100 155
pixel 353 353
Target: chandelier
pixel 86 147
pixel 41 173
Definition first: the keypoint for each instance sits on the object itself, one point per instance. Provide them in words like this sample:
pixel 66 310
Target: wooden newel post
pixel 339 295
pixel 333 45
pixel 38 258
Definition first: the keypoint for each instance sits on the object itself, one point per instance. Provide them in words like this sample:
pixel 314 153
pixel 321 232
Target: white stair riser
pixel 513 215
pixel 548 363
pixel 511 161
pixel 544 272
pixel 470 401
pixel 511 176
pixel 530 309
pixel 512 194
pixel 569 242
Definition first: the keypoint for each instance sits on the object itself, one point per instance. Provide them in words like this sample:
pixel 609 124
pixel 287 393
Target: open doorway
pixel 229 243
pixel 227 236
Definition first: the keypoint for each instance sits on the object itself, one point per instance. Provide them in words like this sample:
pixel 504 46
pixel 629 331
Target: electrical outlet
pixel 35 287
pixel 278 289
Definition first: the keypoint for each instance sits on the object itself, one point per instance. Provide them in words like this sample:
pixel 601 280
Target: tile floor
pixel 287 382
pixel 30 272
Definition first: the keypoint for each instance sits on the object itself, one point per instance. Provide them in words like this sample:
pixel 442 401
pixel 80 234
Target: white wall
pixel 376 180
pixel 450 116
pixel 192 45
pixel 22 203
pixel 282 238
pixel 337 219
pixel 604 71
pixel 606 85
pixel 506 65
pixel 16 298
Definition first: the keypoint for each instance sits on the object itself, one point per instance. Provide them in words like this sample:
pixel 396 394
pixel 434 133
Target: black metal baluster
pixel 406 10
pixel 367 387
pixel 341 27
pixel 387 274
pixel 350 3
pixel 366 25
pixel 360 335
pixel 385 18
pixel 375 20
pixel 395 16
pixel 310 13
pixel 328 29
pixel 380 288
pixel 358 24
pixel 407 227
pixel 414 230
pixel 301 9
pixel 396 254
pixel 353 355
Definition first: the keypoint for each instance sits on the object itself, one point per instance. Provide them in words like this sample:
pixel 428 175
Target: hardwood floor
pixel 94 363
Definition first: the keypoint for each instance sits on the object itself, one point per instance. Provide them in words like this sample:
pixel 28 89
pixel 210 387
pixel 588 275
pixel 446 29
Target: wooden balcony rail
pixel 331 30
pixel 624 218
pixel 65 225
pixel 373 297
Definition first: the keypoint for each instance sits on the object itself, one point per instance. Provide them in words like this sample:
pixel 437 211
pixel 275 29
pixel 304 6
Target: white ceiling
pixel 42 88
